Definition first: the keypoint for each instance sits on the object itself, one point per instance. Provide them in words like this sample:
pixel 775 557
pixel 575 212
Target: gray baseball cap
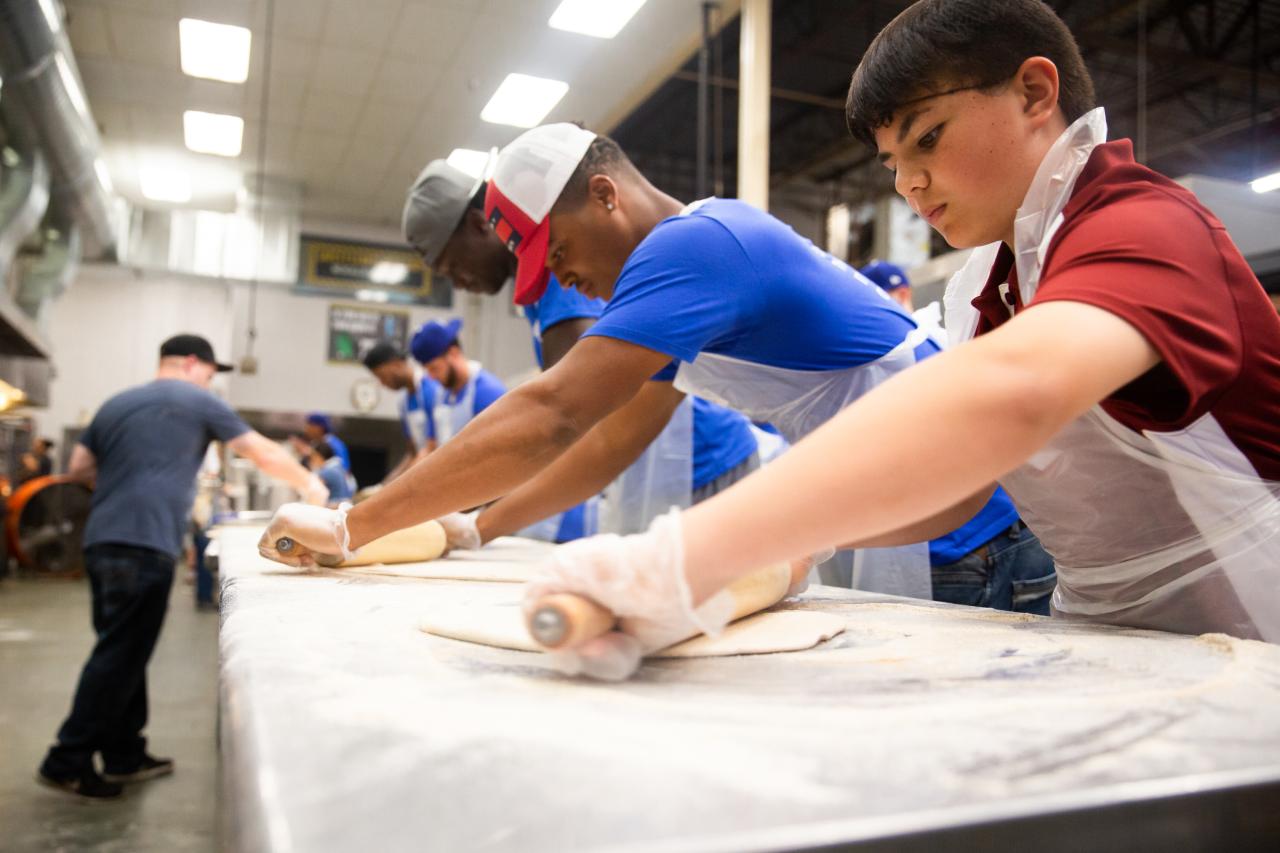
pixel 436 203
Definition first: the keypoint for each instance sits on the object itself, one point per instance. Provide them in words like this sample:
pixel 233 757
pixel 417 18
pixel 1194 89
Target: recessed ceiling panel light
pixel 214 51
pixel 213 133
pixel 165 183
pixel 599 18
pixel 468 160
pixel 1266 183
pixel 523 101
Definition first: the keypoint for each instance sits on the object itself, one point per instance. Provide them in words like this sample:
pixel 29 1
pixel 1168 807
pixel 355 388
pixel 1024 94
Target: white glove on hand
pixel 801 568
pixel 460 530
pixel 317 535
pixel 641 579
pixel 316 492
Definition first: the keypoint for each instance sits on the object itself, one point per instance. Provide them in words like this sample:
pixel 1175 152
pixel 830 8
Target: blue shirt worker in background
pixel 758 318
pixel 418 393
pixel 691 448
pixel 892 279
pixel 142 451
pixel 329 468
pixel 469 389
pixel 319 427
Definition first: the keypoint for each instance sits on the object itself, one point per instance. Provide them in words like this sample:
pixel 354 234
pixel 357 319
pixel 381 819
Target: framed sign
pixel 374 272
pixel 354 329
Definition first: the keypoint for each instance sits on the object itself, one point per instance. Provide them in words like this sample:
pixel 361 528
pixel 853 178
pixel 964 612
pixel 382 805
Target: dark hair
pixel 936 44
pixel 381 353
pixel 324 448
pixel 603 157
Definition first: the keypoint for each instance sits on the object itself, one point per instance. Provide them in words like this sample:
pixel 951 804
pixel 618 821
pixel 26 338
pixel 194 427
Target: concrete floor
pixel 45 637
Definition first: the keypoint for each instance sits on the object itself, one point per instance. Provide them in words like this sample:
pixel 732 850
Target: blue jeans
pixel 204 577
pixel 130 596
pixel 1011 572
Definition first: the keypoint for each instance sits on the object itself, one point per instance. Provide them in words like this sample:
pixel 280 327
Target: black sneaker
pixel 148 767
pixel 85 784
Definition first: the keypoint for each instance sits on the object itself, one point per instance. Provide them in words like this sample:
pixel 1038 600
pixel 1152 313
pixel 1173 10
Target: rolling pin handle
pixel 568 620
pixel 284 544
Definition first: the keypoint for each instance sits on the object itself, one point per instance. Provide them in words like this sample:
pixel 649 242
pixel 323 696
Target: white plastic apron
pixel 451 417
pixel 1170 530
pixel 797 402
pixel 661 478
pixel 415 420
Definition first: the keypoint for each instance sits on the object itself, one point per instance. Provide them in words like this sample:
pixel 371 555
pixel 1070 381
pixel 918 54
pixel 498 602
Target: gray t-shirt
pixel 149 442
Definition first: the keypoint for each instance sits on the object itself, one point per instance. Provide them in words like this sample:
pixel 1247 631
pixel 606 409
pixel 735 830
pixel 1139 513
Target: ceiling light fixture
pixel 1266 183
pixel 213 133
pixel 598 18
pixel 469 161
pixel 214 51
pixel 523 101
pixel 165 183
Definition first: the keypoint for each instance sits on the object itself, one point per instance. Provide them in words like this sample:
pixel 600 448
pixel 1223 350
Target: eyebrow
pixel 905 127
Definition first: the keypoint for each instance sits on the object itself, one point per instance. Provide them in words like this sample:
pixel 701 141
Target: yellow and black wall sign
pixel 372 271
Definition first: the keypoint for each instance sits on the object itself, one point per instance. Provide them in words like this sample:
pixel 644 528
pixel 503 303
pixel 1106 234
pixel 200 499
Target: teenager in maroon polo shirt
pixel 1116 368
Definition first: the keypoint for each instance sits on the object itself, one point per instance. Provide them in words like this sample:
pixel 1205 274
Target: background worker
pixel 776 328
pixel 319 427
pixel 1120 371
pixel 418 393
pixel 469 389
pixel 892 279
pixel 329 468
pixel 142 451
pixel 699 449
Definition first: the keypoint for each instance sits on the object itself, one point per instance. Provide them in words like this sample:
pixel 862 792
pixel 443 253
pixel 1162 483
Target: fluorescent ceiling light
pixel 165 183
pixel 104 176
pixel 1266 183
pixel 215 51
pixel 213 133
pixel 469 160
pixel 523 101
pixel 388 272
pixel 599 18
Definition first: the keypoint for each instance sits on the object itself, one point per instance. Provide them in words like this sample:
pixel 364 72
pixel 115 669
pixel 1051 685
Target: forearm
pixel 939 524
pixel 276 462
pixel 823 491
pixel 505 445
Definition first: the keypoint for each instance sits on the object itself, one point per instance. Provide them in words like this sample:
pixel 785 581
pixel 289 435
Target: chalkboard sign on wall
pixel 354 329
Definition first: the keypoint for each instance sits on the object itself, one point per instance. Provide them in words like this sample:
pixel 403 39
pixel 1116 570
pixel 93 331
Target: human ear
pixel 1036 81
pixel 602 190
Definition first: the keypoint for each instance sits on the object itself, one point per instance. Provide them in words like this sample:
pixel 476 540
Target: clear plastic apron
pixel 415 420
pixel 452 417
pixel 798 402
pixel 661 478
pixel 1170 530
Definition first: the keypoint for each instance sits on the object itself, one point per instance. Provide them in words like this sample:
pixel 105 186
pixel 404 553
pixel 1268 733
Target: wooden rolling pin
pixel 565 620
pixel 415 544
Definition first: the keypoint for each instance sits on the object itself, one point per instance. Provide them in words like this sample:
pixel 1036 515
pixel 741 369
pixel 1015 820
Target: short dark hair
pixel 381 353
pixel 324 448
pixel 935 44
pixel 603 157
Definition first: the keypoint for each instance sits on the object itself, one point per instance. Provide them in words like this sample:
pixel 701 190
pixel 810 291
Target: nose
pixel 908 179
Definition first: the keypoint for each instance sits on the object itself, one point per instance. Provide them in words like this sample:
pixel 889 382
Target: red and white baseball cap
pixel 528 178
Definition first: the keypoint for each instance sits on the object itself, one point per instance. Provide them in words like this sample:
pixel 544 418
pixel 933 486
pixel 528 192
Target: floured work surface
pixel 343 722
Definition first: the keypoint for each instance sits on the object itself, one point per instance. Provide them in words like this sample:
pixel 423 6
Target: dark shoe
pixel 148 767
pixel 86 784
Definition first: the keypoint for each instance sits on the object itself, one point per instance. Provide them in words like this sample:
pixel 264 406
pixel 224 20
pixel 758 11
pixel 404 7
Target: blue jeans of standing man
pixel 1010 572
pixel 130 596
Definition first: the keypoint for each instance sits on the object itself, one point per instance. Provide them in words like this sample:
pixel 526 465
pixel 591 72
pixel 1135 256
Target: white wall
pixel 107 328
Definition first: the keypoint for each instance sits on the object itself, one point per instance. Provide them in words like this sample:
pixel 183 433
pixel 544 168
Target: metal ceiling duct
pixel 40 73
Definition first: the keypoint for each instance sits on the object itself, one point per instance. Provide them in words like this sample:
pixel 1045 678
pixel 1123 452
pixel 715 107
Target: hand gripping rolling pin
pixel 564 620
pixel 415 544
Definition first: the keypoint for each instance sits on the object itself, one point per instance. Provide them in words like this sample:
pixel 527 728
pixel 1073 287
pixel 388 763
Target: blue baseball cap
pixel 321 420
pixel 888 276
pixel 432 339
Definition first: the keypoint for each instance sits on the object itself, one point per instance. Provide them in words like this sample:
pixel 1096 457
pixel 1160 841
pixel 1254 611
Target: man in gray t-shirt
pixel 143 449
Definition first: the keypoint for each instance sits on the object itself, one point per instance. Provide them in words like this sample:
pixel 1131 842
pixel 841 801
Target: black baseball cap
pixel 184 345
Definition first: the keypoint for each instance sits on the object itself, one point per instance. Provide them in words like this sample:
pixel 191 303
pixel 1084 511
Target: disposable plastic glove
pixel 641 579
pixel 460 530
pixel 318 535
pixel 803 566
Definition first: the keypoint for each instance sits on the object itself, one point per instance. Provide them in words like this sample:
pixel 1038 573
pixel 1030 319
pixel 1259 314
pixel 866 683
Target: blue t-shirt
pixel 424 400
pixel 722 438
pixel 336 479
pixel 149 442
pixel 770 297
pixel 339 450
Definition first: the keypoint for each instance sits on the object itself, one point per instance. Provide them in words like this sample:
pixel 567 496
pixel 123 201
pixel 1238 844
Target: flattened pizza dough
pixel 507 559
pixel 781 631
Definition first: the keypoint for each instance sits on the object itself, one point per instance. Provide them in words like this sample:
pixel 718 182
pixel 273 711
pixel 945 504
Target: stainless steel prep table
pixel 922 727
